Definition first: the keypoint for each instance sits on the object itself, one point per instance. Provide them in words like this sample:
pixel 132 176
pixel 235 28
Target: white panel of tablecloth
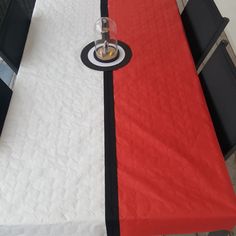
pixel 52 145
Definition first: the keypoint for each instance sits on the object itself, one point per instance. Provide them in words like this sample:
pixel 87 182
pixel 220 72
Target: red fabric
pixel 171 174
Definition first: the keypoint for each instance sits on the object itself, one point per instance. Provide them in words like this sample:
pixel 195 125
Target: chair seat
pixel 218 79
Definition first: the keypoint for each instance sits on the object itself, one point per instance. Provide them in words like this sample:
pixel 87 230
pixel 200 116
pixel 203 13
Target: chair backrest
pixel 14 31
pixel 203 25
pixel 5 98
pixel 3 8
pixel 218 79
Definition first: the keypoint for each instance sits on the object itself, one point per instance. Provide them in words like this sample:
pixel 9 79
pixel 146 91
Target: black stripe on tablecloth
pixel 111 182
pixel 104 8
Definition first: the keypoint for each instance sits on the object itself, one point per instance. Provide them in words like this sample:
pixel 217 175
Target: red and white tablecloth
pixel 131 152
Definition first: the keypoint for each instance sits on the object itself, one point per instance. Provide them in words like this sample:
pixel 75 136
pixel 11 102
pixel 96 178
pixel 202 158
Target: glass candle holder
pixel 106 49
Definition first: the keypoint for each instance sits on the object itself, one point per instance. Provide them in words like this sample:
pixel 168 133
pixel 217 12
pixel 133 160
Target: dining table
pixel 129 152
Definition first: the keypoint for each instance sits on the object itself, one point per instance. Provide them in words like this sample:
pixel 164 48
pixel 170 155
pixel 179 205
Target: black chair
pixel 218 79
pixel 5 98
pixel 14 31
pixel 203 25
pixel 3 8
pixel 220 233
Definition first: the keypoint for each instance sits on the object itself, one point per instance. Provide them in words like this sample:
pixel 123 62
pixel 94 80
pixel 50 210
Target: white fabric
pixel 52 145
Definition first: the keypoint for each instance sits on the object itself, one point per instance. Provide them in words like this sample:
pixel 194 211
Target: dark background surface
pixel 3 7
pixel 16 18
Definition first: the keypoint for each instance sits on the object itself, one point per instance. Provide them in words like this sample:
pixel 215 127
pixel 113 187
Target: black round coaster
pixel 123 58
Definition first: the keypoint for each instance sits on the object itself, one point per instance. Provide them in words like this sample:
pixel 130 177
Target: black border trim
pixel 111 180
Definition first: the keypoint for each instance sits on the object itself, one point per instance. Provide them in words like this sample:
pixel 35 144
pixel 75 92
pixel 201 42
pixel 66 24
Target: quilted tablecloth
pixel 131 152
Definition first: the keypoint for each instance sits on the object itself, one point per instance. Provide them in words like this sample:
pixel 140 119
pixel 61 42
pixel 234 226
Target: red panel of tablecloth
pixel 171 173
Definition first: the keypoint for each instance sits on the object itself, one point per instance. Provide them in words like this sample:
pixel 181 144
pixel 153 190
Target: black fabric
pixel 218 79
pixel 5 98
pixel 14 31
pixel 111 181
pixel 104 8
pixel 203 25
